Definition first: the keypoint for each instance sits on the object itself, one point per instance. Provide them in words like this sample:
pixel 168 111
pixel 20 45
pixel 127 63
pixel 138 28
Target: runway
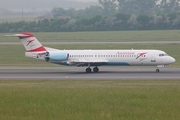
pixel 78 73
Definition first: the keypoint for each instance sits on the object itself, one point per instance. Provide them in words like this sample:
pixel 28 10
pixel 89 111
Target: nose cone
pixel 170 60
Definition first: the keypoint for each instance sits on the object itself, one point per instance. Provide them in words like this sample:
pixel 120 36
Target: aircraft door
pixel 155 59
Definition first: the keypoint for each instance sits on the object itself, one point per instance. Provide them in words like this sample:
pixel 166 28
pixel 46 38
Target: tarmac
pixel 78 73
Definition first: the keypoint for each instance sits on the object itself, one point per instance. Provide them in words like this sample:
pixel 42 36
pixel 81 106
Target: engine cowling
pixel 56 56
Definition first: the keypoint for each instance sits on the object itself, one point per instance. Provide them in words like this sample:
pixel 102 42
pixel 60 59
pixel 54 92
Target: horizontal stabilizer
pixel 18 35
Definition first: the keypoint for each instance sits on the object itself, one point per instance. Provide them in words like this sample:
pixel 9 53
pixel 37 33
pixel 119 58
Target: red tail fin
pixel 30 42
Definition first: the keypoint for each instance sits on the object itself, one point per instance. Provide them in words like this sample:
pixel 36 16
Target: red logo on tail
pixel 30 41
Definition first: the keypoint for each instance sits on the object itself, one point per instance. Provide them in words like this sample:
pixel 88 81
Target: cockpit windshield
pixel 161 55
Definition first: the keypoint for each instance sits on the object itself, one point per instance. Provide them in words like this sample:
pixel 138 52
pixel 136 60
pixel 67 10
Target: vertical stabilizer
pixel 30 42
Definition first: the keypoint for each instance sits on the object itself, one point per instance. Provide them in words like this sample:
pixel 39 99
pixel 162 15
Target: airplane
pixel 95 58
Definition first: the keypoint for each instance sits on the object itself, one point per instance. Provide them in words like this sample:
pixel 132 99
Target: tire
pixel 96 69
pixel 157 70
pixel 88 70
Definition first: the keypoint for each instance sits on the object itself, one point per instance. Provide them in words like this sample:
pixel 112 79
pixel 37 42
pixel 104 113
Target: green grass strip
pixel 90 100
pixel 102 36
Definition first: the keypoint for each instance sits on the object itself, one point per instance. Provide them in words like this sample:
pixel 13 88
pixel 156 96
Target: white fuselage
pixel 112 57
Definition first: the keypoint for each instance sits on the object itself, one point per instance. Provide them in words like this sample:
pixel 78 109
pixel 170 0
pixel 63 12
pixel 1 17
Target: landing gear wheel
pixel 88 70
pixel 157 70
pixel 96 69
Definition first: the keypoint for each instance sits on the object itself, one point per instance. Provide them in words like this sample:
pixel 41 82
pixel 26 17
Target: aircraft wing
pixel 83 62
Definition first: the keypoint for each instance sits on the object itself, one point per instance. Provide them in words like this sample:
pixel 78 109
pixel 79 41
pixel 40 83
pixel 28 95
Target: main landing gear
pixel 95 70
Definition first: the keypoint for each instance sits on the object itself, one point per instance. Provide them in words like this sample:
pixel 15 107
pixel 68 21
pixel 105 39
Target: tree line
pixel 98 23
pixel 111 15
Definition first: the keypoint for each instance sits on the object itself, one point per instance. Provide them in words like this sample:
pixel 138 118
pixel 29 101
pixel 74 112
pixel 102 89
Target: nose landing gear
pixel 159 66
pixel 157 70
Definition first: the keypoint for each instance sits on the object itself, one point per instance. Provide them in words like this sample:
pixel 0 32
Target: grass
pixel 89 100
pixel 105 36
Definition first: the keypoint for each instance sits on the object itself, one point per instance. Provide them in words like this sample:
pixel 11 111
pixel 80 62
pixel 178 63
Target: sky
pixel 86 0
pixel 45 4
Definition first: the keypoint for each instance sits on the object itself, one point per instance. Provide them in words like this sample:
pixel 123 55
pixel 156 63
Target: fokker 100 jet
pixel 95 58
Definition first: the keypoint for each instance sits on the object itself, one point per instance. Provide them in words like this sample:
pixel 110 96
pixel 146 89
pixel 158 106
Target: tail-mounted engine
pixel 56 56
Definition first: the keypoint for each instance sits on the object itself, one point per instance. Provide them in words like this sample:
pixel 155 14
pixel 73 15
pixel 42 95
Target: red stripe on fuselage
pixel 37 49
